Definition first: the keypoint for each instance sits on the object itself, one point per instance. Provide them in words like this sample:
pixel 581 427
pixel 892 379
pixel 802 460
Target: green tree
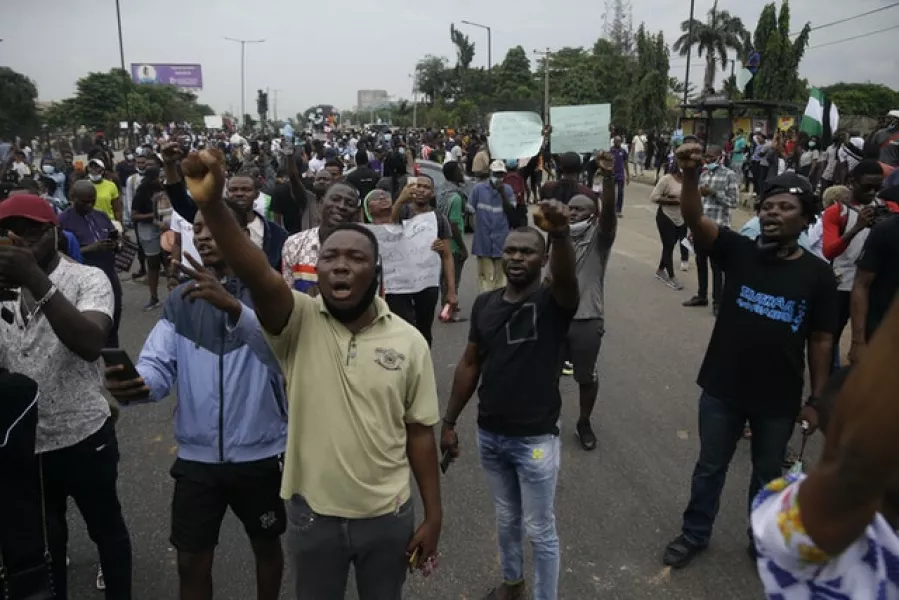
pixel 719 33
pixel 464 48
pixel 62 116
pixel 650 81
pixel 514 86
pixel 18 111
pixel 862 99
pixel 778 75
pixel 431 73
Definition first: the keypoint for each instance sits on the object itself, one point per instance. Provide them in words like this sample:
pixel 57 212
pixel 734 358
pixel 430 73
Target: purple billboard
pixel 182 76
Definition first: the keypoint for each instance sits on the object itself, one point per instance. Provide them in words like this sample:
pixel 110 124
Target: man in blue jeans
pixel 513 348
pixel 777 300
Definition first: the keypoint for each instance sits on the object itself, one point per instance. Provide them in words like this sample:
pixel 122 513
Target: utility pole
pixel 546 54
pixel 275 105
pixel 243 79
pixel 414 77
pixel 489 51
pixel 689 49
pixel 127 84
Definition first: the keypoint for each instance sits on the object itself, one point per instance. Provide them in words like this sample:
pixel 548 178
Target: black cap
pixel 788 183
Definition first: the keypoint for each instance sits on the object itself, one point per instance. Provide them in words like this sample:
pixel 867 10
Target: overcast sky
pixel 323 55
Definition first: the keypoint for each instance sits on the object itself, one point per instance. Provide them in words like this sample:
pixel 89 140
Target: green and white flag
pixel 820 115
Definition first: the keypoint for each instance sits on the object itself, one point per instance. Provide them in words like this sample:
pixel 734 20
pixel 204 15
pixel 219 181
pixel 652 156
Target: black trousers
pixel 418 309
pixel 702 274
pixel 87 472
pixel 670 234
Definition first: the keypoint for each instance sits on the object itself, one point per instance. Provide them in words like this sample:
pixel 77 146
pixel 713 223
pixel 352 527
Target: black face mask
pixel 348 315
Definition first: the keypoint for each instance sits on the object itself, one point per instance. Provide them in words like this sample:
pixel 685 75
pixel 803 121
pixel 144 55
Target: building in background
pixel 370 99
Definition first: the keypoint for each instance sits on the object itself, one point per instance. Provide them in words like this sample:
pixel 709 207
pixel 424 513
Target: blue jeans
pixel 720 428
pixel 619 195
pixel 522 473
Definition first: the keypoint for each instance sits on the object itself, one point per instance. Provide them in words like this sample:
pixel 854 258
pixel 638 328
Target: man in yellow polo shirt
pixel 108 200
pixel 362 406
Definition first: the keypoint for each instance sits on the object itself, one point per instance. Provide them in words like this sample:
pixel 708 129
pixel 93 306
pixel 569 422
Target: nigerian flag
pixel 821 117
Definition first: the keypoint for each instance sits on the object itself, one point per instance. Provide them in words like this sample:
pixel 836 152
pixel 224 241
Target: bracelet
pixel 813 402
pixel 448 422
pixel 40 303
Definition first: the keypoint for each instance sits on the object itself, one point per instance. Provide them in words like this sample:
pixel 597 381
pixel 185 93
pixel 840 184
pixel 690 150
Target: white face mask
pixel 129 157
pixel 580 227
pixel 812 144
pixel 48 169
pixel 494 180
pixel 95 177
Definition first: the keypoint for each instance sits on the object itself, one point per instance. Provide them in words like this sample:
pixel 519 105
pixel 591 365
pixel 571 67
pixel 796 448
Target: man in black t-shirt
pixel 777 300
pixel 876 283
pixel 513 349
pixel 363 177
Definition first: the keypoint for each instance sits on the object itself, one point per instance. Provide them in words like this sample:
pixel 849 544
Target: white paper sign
pixel 515 135
pixel 580 129
pixel 213 122
pixel 409 265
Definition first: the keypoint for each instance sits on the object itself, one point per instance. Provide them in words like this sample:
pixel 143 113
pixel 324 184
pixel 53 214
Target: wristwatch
pixel 813 402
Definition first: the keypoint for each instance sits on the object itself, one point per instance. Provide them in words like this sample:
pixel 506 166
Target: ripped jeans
pixel 522 473
pixel 320 550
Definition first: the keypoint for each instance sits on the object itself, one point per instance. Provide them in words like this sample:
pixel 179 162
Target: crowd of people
pixel 279 295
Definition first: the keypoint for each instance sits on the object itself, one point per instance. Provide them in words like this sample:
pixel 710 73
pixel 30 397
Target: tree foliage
pixel 18 109
pixel 862 99
pixel 103 100
pixel 713 38
pixel 778 74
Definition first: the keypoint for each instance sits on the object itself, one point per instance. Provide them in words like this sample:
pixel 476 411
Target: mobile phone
pixel 412 181
pixel 117 356
pixel 114 235
pixel 413 560
pixel 446 461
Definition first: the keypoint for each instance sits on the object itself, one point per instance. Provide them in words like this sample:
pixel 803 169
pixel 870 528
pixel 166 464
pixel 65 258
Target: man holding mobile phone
pixel 231 418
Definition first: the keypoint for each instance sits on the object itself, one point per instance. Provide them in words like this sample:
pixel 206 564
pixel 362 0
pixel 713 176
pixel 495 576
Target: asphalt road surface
pixel 616 507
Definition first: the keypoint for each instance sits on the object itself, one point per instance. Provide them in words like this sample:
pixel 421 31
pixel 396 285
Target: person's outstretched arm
pixel 704 230
pixel 204 174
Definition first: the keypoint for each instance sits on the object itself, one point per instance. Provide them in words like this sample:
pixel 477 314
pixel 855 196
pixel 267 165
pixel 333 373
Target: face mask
pixel 494 181
pixel 348 315
pixel 711 166
pixel 141 171
pixel 580 227
pixel 812 144
pixel 95 177
pixel 48 169
pixel 129 157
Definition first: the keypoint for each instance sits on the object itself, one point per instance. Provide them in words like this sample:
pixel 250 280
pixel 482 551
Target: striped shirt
pixel 725 186
pixel 491 224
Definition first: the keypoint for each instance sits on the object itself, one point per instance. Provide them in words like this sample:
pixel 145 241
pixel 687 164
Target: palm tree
pixel 720 32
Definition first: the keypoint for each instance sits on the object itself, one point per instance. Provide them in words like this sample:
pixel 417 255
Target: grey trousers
pixel 320 550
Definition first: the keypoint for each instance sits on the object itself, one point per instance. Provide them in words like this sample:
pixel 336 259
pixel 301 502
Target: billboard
pixel 369 99
pixel 182 76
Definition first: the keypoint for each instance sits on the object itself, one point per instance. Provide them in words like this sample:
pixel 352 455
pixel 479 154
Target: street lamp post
pixel 243 81
pixel 689 49
pixel 545 53
pixel 414 77
pixel 118 14
pixel 489 49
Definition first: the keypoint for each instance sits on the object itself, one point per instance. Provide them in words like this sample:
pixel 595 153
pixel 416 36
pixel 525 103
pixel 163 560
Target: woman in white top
pixel 670 223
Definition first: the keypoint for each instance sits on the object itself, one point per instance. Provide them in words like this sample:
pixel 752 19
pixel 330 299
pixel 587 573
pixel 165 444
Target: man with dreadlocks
pixel 777 300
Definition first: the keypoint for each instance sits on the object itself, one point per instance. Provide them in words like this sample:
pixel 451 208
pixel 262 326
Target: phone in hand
pixel 113 235
pixel 117 356
pixel 446 461
pixel 411 181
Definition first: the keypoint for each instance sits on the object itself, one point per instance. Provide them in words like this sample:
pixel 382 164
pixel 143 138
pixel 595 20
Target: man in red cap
pixel 55 315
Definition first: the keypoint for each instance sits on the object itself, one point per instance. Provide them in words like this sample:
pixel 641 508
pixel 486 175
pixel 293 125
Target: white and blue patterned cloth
pixel 791 567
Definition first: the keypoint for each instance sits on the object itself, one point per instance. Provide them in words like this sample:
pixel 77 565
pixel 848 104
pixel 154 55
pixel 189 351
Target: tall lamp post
pixel 118 14
pixel 414 77
pixel 243 80
pixel 689 49
pixel 489 49
pixel 545 54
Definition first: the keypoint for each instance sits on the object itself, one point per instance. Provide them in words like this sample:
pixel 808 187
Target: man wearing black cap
pixel 777 300
pixel 55 316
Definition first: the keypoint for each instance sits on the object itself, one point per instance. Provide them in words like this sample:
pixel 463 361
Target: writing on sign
pixel 580 129
pixel 515 135
pixel 408 264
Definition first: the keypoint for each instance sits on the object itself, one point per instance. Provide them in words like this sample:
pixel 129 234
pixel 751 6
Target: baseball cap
pixel 497 166
pixel 894 114
pixel 28 206
pixel 788 183
pixel 97 161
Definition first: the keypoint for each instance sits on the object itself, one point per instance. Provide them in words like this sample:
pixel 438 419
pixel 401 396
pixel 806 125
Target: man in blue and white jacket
pixel 230 418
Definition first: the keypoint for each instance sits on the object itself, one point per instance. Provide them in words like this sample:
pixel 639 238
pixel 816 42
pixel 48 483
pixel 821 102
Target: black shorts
pixel 203 492
pixel 582 348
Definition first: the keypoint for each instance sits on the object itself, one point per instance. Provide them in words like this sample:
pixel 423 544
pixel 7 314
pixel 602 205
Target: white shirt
pixel 316 164
pixel 181 226
pixel 71 406
pixel 638 142
pixel 22 169
pixel 238 140
pixel 257 231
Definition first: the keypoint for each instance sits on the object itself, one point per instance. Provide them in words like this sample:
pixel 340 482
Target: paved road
pixel 617 507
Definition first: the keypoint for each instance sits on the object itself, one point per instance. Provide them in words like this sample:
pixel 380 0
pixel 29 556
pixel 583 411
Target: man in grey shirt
pixel 592 239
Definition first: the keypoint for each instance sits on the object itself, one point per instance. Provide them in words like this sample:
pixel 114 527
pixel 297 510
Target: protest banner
pixel 515 135
pixel 408 264
pixel 580 129
pixel 213 121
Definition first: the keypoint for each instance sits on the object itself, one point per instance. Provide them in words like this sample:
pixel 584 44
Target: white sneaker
pixel 684 265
